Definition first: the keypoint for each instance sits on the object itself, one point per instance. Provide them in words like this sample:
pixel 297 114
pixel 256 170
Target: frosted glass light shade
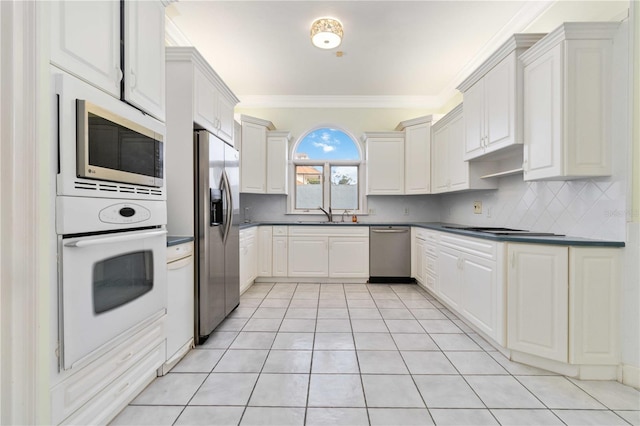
pixel 326 33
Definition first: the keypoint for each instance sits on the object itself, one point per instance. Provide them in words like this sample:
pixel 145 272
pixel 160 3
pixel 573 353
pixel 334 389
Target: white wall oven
pixel 110 221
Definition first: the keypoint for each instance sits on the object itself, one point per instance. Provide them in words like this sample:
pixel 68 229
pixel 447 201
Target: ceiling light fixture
pixel 326 33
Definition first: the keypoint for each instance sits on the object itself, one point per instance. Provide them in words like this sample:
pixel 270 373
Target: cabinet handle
pixel 133 79
pixel 119 76
pixel 125 358
pixel 123 388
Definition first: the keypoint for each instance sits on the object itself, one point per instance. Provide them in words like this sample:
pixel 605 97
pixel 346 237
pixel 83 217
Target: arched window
pixel 326 170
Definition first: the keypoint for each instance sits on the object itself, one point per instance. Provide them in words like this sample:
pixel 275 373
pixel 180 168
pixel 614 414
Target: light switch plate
pixel 477 207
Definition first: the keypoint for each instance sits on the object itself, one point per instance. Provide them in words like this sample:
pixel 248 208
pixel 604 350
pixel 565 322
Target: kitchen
pixel 28 361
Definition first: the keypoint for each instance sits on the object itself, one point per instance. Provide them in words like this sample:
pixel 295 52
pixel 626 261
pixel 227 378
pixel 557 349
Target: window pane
pixel 327 144
pixel 308 187
pixel 344 187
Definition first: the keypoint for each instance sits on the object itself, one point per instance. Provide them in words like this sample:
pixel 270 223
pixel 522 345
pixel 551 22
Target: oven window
pixel 121 279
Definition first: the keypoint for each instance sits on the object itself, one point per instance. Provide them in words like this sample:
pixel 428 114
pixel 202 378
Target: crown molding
pixel 341 101
pixel 527 15
pixel 173 36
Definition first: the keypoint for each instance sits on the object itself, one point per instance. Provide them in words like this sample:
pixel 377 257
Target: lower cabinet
pixel 308 256
pixel 248 257
pixel 280 253
pixel 469 281
pixel 537 300
pixel 563 303
pixel 348 257
pixel 265 251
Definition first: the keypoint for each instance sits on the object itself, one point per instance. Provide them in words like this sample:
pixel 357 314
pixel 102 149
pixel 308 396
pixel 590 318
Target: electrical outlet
pixel 406 211
pixel 477 207
pixel 372 212
pixel 489 212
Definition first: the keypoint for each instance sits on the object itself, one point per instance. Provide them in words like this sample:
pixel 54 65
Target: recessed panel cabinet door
pixel 144 56
pixel 348 257
pixel 417 162
pixel 385 166
pixel 308 256
pixel 538 300
pixel 85 41
pixel 474 121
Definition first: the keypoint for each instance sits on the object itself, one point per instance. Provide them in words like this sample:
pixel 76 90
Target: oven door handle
pixel 114 239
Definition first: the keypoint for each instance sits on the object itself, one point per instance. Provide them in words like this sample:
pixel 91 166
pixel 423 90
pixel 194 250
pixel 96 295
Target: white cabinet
pixel 449 170
pixel 280 252
pixel 85 41
pixel 424 257
pixel 248 257
pixel 493 99
pixel 417 154
pixel 349 257
pixel 537 300
pixel 264 157
pixel 213 103
pixel 385 163
pixel 328 251
pixel 470 281
pixel 563 303
pixel 567 102
pixel 308 256
pixel 144 56
pixel 265 251
pixel 277 161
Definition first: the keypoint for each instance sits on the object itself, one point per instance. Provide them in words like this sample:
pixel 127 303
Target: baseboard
pixel 631 375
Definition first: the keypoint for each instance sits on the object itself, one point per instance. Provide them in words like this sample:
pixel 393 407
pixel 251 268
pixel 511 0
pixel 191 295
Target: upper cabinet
pixel 385 163
pixel 493 100
pixel 264 157
pixel 417 154
pixel 137 76
pixel 567 102
pixel 73 24
pixel 449 170
pixel 143 65
pixel 212 101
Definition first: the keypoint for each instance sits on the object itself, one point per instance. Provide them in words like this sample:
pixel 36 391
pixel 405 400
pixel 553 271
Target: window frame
pixel 326 175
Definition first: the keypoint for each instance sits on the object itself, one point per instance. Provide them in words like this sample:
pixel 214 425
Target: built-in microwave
pixel 113 148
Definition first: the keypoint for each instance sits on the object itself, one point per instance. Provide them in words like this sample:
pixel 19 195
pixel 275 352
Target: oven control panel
pixel 124 213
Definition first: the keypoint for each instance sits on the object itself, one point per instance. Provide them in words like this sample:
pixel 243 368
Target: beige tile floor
pixel 360 354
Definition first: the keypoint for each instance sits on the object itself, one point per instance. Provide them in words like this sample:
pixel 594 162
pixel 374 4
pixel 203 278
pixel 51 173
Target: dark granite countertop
pixel 175 240
pixel 439 226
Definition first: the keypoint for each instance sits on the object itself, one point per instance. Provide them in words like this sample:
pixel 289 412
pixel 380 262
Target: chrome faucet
pixel 328 213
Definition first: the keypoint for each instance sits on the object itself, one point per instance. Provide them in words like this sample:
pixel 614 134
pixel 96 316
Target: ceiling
pixel 395 53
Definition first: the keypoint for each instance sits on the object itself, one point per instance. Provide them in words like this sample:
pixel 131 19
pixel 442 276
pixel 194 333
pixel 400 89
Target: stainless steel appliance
pixel 113 148
pixel 390 254
pixel 217 234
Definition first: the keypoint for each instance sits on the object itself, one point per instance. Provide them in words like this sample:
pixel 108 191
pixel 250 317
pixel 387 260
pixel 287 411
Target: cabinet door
pixel 457 168
pixel 204 102
pixel 85 41
pixel 543 116
pixel 277 165
pixel 349 257
pixel 439 176
pixel 474 121
pixel 449 264
pixel 538 300
pixel 252 162
pixel 225 122
pixel 499 105
pixel 385 166
pixel 308 256
pixel 280 254
pixel 478 293
pixel 417 150
pixel 144 56
pixel 419 260
pixel 265 251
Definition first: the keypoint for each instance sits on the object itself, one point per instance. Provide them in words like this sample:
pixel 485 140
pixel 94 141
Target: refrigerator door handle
pixel 227 194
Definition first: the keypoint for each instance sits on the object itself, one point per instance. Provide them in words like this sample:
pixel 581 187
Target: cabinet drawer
pixel 75 391
pixel 106 405
pixel 476 246
pixel 430 282
pixel 280 230
pixel 329 231
pixel 430 249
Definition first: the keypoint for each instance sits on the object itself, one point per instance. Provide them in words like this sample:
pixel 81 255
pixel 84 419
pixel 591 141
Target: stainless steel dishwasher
pixel 390 254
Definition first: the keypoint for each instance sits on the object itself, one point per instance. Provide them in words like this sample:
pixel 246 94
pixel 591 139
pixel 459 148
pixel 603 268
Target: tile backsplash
pixel 582 208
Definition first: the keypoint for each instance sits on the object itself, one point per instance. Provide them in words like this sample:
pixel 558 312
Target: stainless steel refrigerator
pixel 217 235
